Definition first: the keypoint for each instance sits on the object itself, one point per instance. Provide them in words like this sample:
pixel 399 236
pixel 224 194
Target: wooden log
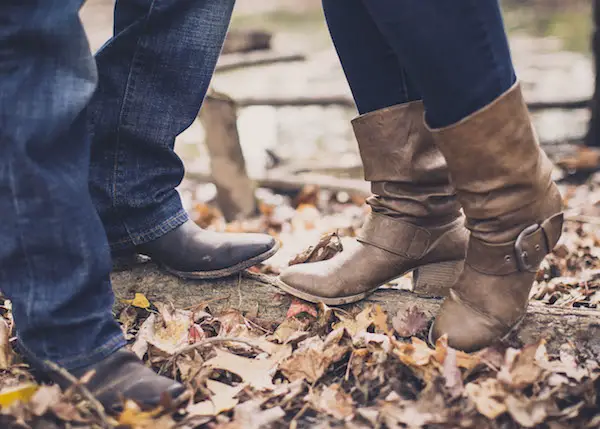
pixel 241 61
pixel 257 296
pixel 235 191
pixel 345 101
pixel 247 41
pixel 295 183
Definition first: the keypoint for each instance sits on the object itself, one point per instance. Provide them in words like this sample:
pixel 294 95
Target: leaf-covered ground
pixel 323 367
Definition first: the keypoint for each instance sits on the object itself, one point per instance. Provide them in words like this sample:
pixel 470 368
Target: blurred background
pixel 292 104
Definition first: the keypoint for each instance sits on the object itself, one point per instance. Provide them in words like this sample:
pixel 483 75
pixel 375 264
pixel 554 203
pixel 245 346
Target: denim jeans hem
pixel 95 356
pixel 153 233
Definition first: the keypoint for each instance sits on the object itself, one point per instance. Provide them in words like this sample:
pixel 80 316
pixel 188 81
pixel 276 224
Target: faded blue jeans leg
pixel 153 76
pixel 54 256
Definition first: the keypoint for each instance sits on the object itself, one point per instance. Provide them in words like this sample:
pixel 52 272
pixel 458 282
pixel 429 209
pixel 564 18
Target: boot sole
pixel 446 272
pixel 223 272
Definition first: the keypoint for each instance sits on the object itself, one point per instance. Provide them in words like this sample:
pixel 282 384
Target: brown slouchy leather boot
pixel 513 210
pixel 415 222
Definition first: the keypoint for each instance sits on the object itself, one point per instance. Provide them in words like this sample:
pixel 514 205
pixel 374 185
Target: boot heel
pixel 436 279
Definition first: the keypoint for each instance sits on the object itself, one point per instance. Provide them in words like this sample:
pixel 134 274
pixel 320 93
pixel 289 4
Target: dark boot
pixel 513 209
pixel 195 253
pixel 415 223
pixel 122 376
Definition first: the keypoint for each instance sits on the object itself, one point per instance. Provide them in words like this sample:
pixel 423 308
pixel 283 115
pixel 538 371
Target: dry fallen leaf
pixel 22 393
pixel 257 373
pixel 292 329
pixel 380 320
pixel 313 357
pixel 298 307
pixel 354 325
pixel 528 413
pixel 488 396
pixel 410 322
pixel 5 348
pixel 452 374
pixel 335 402
pixel 168 332
pixel 250 415
pixel 329 245
pixel 134 418
pixel 139 301
pixel 222 400
pixel 520 367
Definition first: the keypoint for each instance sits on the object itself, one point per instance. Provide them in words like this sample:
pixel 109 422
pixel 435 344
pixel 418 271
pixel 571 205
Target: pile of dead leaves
pixel 321 367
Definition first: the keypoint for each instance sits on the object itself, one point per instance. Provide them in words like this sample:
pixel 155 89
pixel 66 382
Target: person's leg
pixel 54 257
pixel 415 222
pixel 153 76
pixel 458 55
pixel 457 52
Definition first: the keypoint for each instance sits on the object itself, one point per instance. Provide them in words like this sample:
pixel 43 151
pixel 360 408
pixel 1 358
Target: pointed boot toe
pixel 194 253
pixel 415 224
pixel 121 377
pixel 305 281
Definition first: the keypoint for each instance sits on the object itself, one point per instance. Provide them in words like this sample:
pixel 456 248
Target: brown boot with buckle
pixel 415 224
pixel 513 209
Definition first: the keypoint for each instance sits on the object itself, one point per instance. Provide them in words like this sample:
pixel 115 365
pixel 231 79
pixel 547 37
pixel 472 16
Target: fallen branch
pixel 347 101
pixel 296 183
pixel 246 41
pixel 236 62
pixel 84 391
pixel 298 101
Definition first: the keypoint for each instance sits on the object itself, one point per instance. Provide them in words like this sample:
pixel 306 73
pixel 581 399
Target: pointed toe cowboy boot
pixel 415 224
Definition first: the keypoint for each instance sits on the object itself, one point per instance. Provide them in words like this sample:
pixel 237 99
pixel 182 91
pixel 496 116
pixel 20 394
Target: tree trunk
pixel 235 191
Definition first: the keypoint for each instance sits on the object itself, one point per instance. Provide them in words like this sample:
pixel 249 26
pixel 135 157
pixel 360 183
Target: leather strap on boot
pixel 395 236
pixel 525 254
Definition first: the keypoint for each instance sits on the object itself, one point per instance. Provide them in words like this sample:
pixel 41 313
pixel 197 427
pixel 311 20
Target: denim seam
pixel 15 200
pixel 129 88
pixel 96 355
pixel 166 226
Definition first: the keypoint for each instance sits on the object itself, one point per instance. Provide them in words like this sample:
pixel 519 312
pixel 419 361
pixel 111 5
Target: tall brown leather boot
pixel 513 211
pixel 415 224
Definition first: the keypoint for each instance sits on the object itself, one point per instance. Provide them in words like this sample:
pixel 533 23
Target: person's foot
pixel 195 253
pixel 122 376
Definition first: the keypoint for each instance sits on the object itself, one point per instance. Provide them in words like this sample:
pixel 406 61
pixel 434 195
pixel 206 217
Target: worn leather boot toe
pixel 195 253
pixel 122 376
pixel 415 224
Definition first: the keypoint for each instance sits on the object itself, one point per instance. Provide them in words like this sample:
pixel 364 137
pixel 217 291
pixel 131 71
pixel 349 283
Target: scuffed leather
pixel 416 218
pixel 503 181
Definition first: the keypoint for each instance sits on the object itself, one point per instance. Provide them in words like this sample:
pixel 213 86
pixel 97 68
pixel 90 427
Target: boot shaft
pixel 408 174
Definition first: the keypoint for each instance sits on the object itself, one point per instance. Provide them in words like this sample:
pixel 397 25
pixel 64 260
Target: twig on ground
pixel 84 391
pixel 206 342
pixel 593 220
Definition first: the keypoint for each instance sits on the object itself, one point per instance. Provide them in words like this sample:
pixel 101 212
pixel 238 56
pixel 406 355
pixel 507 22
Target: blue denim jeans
pixel 54 254
pixel 153 76
pixel 453 55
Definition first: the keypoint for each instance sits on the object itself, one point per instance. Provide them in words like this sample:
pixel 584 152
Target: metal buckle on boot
pixel 522 256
